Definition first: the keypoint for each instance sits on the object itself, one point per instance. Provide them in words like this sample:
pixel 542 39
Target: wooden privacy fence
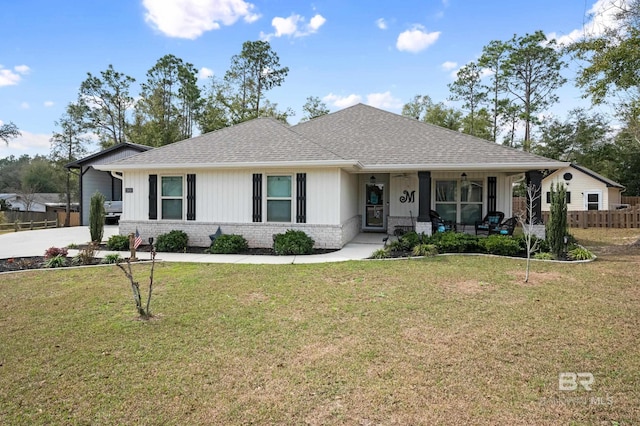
pixel 624 218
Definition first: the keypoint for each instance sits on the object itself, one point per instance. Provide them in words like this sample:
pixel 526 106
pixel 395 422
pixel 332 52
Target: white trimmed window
pixel 458 200
pixel 279 198
pixel 172 197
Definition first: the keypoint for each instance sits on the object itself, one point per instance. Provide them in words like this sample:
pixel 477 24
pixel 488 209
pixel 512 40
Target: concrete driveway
pixel 34 243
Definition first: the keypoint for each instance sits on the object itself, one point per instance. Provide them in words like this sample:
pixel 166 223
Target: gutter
pixel 115 167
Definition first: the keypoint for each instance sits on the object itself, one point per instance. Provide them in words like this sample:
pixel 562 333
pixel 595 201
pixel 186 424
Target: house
pixel 358 169
pixel 586 189
pixel 37 202
pixel 92 179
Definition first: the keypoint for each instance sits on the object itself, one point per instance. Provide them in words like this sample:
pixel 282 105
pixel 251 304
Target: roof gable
pixel 107 155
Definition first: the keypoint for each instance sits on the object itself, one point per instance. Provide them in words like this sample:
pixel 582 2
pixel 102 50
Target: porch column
pixel 534 177
pixel 423 224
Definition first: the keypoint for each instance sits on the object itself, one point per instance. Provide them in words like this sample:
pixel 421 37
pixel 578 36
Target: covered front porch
pixel 391 201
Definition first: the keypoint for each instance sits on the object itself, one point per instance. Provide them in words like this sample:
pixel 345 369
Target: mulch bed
pixel 38 262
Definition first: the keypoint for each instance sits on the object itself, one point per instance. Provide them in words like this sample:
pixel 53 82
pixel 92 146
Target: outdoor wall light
pixel 372 179
pixel 463 176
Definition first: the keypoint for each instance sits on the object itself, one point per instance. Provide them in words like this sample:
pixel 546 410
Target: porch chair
pixel 490 222
pixel 438 224
pixel 506 227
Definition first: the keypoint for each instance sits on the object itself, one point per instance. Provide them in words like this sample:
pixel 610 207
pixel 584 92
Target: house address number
pixel 128 190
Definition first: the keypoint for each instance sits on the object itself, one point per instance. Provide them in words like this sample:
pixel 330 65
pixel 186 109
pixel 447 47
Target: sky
pixel 380 53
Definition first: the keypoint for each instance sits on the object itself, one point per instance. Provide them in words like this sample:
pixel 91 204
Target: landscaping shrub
pixel 292 243
pixel 229 244
pixel 543 256
pixel 556 228
pixel 425 250
pixel 501 245
pixel 380 254
pixel 55 251
pixel 580 253
pixel 56 261
pixel 112 258
pixel 543 245
pixel 86 255
pixel 411 239
pixel 118 243
pixel 453 242
pixel 174 241
pixel 96 217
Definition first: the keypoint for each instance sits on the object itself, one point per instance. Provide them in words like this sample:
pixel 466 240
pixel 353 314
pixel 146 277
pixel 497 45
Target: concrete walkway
pixel 34 243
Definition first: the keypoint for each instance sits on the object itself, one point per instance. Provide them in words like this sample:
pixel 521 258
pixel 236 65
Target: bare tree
pixel 528 221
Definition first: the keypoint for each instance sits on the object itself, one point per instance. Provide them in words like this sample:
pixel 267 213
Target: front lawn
pixel 445 340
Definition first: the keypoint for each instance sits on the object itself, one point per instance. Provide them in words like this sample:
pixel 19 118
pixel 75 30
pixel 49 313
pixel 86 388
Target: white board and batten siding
pixel 225 198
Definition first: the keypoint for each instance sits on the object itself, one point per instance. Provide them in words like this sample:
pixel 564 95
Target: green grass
pixel 445 340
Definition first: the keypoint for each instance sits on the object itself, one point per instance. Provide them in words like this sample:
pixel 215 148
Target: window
pixel 446 199
pixel 463 206
pixel 278 198
pixel 171 197
pixel 471 201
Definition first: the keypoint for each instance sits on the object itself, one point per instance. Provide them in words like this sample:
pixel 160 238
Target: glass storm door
pixel 374 214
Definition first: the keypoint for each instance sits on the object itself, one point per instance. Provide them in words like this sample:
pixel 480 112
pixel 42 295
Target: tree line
pixel 503 96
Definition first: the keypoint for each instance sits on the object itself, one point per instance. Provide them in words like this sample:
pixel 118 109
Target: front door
pixel 374 206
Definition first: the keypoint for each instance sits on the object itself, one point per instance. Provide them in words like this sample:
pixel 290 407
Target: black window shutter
pixel 301 198
pixel 548 197
pixel 191 197
pixel 257 197
pixel 568 197
pixel 153 197
pixel 492 193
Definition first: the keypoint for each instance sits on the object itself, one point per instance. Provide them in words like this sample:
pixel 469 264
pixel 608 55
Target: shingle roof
pixel 260 140
pixel 93 157
pixel 377 137
pixel 360 136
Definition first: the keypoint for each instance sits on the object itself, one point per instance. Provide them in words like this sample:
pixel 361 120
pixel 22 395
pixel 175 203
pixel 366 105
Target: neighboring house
pixel 37 202
pixel 586 189
pixel 358 169
pixel 92 180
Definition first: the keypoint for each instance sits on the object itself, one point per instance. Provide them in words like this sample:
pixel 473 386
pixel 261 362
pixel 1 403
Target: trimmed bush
pixel 229 244
pixel 543 256
pixel 411 239
pixel 96 217
pixel 118 243
pixel 453 242
pixel 293 243
pixel 501 245
pixel 55 251
pixel 174 241
pixel 543 245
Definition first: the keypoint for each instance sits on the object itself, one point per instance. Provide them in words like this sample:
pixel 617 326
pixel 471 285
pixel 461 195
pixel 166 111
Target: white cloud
pixel 383 100
pixel 22 69
pixel 416 39
pixel 205 73
pixel 449 65
pixel 27 141
pixel 342 101
pixel 382 24
pixel 24 105
pixel 11 78
pixel 602 16
pixel 191 18
pixel 48 104
pixel 294 26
